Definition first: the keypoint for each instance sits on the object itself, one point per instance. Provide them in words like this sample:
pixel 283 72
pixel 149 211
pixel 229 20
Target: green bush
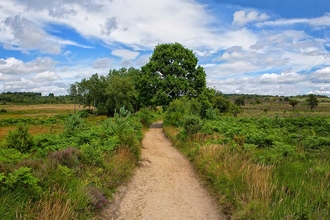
pixel 21 178
pixel 20 139
pixel 84 113
pixel 73 124
pixel 192 124
pixel 145 116
pixel 180 108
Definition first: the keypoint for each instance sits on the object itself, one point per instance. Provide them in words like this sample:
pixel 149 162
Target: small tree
pixel 293 103
pixel 20 139
pixel 312 101
pixel 240 101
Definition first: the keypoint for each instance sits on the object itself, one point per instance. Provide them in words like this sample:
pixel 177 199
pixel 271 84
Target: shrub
pixel 67 157
pixel 73 124
pixel 126 129
pixel 84 113
pixel 3 110
pixel 212 114
pixel 145 117
pixel 97 199
pixel 20 178
pixel 191 125
pixel 20 139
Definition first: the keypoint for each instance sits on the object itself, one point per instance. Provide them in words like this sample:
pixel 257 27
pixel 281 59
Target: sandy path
pixel 163 187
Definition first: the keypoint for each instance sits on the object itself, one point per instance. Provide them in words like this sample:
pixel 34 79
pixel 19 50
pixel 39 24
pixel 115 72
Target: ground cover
pixel 66 166
pixel 268 166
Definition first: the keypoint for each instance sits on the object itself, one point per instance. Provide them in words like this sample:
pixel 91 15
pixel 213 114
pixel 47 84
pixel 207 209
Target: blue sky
pixel 256 47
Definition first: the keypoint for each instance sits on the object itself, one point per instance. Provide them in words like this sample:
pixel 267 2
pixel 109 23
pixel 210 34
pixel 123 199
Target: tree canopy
pixel 172 72
pixel 312 101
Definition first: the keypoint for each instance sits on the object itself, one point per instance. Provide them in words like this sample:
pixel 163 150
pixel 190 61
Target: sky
pixel 268 47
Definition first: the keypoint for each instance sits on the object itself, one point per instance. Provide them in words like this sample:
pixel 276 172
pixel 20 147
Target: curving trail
pixel 163 187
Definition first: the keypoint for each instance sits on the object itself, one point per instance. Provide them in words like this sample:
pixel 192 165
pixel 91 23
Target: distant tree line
pixel 32 98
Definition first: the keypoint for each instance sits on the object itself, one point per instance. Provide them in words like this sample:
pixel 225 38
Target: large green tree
pixel 120 91
pixel 172 72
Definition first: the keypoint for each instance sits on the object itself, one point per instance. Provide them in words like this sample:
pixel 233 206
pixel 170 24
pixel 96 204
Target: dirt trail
pixel 163 187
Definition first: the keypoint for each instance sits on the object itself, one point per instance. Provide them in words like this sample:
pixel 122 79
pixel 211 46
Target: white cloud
pixel 241 18
pixel 102 63
pixel 136 24
pixel 46 76
pixel 323 21
pixel 321 76
pixel 12 66
pixel 27 35
pixel 125 54
pixel 282 78
pixel 267 84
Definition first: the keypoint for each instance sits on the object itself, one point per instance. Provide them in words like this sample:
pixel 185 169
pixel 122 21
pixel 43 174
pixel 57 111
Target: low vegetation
pixel 259 168
pixel 70 174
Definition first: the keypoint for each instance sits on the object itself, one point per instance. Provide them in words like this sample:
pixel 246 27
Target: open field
pixel 283 109
pixel 38 110
pixel 41 118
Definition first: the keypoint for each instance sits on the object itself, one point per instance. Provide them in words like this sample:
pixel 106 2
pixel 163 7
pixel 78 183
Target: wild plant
pixel 97 199
pixel 21 178
pixel 191 125
pixel 20 139
pixel 68 157
pixel 73 124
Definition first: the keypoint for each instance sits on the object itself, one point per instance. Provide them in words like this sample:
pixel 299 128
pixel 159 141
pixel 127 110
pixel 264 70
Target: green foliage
pixel 206 100
pixel 73 125
pixel 191 125
pixel 221 103
pixel 57 174
pixel 312 101
pixel 31 121
pixel 120 92
pixel 146 117
pixel 212 114
pixel 126 129
pixel 171 73
pixel 293 103
pixel 20 139
pixel 11 156
pixel 292 153
pixel 20 178
pixel 84 113
pixel 240 101
pixel 32 98
pixel 180 108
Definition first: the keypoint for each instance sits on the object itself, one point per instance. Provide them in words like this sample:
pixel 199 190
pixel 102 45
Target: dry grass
pixel 284 109
pixel 43 110
pixel 38 112
pixel 34 129
pixel 54 206
pixel 43 107
pixel 250 182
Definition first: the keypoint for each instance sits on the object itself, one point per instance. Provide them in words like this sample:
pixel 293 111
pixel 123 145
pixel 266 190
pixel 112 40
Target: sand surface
pixel 163 187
